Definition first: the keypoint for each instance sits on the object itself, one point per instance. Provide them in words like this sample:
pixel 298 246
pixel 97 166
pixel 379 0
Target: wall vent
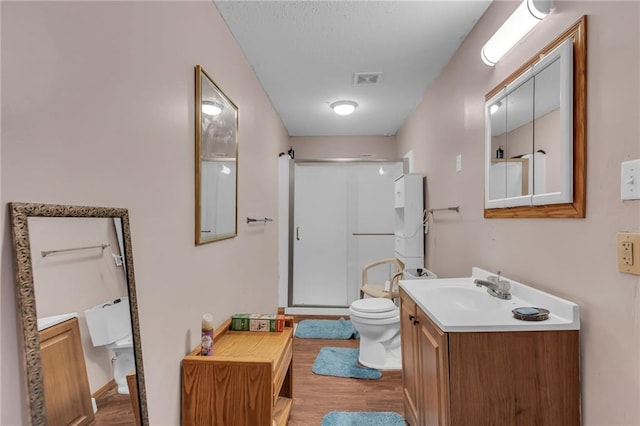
pixel 366 78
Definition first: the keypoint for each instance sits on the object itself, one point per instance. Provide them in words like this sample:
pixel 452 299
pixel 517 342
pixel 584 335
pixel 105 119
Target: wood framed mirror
pixel 216 164
pixel 535 143
pixel 74 266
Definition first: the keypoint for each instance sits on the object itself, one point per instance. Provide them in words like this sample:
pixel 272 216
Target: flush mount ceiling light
pixel 521 21
pixel 211 108
pixel 495 107
pixel 344 107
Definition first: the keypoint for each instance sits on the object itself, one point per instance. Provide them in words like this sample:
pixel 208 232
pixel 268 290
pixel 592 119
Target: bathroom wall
pixel 572 258
pixel 98 109
pixel 344 146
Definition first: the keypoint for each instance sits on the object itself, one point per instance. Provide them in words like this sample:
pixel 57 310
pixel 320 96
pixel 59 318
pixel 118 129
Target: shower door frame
pixel 405 169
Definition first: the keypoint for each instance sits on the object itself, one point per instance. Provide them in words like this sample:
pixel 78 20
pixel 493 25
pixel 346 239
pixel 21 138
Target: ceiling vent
pixel 366 78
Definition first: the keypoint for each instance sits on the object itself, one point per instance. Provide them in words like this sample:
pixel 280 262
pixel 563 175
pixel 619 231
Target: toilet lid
pixel 127 342
pixel 373 305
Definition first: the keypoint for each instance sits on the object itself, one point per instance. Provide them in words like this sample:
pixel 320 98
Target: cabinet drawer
pixel 409 247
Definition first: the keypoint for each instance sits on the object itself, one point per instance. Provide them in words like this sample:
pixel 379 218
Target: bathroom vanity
pixel 482 366
pixel 248 380
pixel 66 385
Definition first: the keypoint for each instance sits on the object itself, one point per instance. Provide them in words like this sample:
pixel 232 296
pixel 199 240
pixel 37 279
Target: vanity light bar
pixel 521 21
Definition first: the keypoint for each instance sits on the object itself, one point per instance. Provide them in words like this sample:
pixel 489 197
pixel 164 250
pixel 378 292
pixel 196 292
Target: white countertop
pixel 46 322
pixel 463 307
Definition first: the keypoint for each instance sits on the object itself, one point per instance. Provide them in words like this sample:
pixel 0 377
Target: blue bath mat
pixel 326 329
pixel 342 362
pixel 342 418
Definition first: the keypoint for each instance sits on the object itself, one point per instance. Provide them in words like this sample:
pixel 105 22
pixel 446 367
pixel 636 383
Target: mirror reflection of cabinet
pixel 66 386
pixel 535 134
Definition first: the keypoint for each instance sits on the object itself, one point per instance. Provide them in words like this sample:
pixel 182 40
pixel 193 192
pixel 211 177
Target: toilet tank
pixel 418 274
pixel 109 321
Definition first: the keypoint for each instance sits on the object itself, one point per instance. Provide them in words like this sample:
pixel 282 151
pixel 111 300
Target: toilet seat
pixel 125 343
pixel 374 308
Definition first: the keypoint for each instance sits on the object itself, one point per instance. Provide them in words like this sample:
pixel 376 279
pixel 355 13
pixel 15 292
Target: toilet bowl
pixel 124 362
pixel 378 322
pixel 109 325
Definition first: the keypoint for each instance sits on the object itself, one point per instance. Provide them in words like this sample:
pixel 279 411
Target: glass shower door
pixel 320 236
pixel 343 219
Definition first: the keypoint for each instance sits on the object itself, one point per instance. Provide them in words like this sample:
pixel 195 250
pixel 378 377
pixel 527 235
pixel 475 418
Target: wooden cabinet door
pixel 433 405
pixel 66 386
pixel 410 376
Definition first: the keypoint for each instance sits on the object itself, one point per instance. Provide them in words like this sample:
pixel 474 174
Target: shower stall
pixel 341 217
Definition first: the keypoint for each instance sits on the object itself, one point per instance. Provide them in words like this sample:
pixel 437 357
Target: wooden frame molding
pixel 577 208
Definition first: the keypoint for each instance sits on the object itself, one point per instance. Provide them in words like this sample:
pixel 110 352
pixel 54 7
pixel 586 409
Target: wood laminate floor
pixel 314 395
pixel 114 410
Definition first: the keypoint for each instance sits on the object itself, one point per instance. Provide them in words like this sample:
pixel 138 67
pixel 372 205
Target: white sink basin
pixel 456 304
pixel 459 299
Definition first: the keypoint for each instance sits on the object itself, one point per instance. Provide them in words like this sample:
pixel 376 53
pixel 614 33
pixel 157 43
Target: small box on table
pixel 257 322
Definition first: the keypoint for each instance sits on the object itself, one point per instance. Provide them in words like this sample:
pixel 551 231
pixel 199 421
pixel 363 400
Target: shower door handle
pixel 298 233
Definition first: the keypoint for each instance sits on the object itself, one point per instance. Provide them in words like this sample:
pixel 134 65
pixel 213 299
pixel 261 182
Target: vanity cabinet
pixel 66 385
pixel 409 211
pixel 433 364
pixel 248 380
pixel 487 378
pixel 410 355
pixel 425 367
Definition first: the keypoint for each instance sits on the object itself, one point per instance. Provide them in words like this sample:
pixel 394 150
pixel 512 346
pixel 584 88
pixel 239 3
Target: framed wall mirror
pixel 535 134
pixel 216 162
pixel 77 306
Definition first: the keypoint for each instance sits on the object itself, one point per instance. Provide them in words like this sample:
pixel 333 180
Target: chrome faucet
pixel 495 286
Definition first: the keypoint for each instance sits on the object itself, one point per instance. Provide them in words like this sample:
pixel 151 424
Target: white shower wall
pixel 332 202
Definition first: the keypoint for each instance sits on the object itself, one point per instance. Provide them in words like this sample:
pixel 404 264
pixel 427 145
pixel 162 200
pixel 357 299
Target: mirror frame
pixel 19 214
pixel 199 74
pixel 576 208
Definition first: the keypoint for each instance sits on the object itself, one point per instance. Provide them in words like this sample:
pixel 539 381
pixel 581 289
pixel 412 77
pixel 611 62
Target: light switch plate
pixel 628 247
pixel 630 180
pixel 459 163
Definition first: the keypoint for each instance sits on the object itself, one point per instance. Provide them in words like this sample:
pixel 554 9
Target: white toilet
pixel 109 325
pixel 378 322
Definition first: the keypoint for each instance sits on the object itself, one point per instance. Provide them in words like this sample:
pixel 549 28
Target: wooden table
pixel 248 380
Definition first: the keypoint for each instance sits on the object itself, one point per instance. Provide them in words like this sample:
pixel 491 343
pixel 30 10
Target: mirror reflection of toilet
pixel 109 325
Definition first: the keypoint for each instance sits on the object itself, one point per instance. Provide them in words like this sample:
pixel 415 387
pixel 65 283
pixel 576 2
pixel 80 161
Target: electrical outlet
pixel 628 245
pixel 627 253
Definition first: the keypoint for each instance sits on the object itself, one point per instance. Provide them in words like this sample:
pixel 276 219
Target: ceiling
pixel 305 54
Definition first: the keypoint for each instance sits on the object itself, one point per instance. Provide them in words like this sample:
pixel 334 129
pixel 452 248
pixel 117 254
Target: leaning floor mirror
pixel 78 310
